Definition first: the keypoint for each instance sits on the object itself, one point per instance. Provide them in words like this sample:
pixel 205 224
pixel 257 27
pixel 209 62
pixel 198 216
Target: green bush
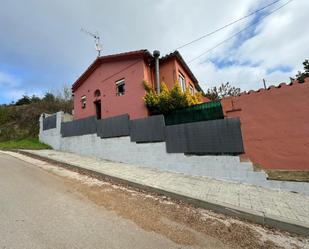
pixel 168 100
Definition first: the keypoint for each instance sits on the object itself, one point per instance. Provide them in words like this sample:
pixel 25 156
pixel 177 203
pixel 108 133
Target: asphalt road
pixel 38 210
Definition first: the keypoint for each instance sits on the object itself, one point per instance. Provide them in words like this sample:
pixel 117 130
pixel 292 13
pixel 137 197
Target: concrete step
pixel 247 165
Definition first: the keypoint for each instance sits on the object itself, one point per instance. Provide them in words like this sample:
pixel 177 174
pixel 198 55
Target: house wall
pixel 104 78
pixel 149 75
pixel 189 80
pixel 169 73
pixel 275 125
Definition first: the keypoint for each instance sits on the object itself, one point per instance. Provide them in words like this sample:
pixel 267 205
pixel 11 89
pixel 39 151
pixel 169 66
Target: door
pixel 98 108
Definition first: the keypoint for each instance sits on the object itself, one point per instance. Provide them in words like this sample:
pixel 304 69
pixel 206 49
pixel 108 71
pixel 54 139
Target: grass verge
pixel 28 143
pixel 284 175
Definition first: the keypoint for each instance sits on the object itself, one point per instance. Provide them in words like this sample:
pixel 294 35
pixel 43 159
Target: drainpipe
pixel 156 55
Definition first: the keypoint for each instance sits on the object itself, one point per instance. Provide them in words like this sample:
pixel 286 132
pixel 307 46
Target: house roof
pixel 178 56
pixel 143 53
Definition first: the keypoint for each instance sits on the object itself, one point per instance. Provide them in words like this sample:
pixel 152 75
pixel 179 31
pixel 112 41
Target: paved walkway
pixel 276 208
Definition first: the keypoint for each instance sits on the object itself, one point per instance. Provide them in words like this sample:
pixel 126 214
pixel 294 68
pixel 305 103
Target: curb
pixel 281 223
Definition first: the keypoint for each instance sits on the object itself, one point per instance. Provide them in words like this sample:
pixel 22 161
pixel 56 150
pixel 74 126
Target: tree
pixel 301 76
pixel 65 93
pixel 224 90
pixel 49 97
pixel 25 100
pixel 168 100
pixel 35 99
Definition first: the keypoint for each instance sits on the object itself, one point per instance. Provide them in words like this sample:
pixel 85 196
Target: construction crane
pixel 98 45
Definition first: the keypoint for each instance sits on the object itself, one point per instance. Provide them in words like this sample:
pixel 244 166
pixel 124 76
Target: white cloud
pixel 281 41
pixel 12 88
pixel 245 77
pixel 282 38
pixel 9 80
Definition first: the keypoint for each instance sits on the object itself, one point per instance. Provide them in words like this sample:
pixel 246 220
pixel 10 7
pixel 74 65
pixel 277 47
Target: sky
pixel 42 47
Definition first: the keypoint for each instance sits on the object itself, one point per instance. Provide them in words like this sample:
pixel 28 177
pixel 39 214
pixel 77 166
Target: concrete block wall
pixel 52 137
pixel 154 155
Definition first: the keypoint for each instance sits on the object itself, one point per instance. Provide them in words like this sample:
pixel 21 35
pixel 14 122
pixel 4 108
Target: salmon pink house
pixel 112 84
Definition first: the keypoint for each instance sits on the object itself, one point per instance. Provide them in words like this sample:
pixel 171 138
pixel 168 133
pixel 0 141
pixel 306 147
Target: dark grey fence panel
pixel 114 127
pixel 150 129
pixel 207 137
pixel 50 122
pixel 79 127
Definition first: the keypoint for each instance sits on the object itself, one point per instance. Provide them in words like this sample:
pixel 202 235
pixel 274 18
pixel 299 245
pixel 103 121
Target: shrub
pixel 168 100
pixel 224 90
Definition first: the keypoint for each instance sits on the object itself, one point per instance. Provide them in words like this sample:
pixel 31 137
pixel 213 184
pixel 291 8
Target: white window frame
pixel 191 89
pixel 120 82
pixel 83 101
pixel 182 82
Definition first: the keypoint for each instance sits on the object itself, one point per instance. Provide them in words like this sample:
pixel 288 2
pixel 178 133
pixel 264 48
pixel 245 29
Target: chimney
pixel 156 55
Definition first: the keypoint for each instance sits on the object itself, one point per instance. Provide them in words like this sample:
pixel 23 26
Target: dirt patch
pixel 151 214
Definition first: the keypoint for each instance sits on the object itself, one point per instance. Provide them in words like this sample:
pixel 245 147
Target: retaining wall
pixel 204 137
pixel 154 155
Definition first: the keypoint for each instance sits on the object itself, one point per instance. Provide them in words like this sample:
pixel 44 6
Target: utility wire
pixel 227 25
pixel 237 33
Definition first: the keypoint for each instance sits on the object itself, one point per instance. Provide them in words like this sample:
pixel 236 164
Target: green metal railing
pixel 200 112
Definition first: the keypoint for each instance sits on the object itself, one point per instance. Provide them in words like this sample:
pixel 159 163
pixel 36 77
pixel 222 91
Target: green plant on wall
pixel 168 100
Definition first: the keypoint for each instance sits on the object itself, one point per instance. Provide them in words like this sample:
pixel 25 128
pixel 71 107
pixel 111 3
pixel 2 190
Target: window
pixel 182 83
pixel 120 87
pixel 83 102
pixel 97 93
pixel 191 89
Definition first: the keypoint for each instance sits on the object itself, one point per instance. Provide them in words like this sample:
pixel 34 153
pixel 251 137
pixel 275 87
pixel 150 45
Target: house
pixel 112 84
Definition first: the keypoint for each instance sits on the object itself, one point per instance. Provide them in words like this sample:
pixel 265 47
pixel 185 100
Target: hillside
pixel 21 120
